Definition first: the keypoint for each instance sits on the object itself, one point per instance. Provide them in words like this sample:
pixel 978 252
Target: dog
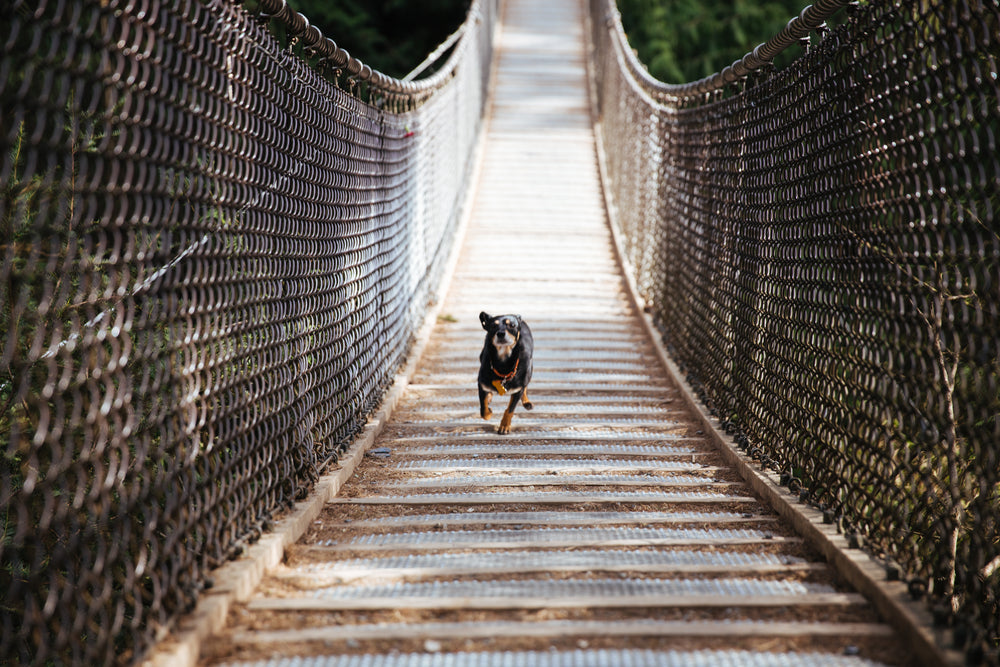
pixel 505 365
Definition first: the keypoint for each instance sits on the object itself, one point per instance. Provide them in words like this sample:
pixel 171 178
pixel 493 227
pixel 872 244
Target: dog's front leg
pixel 525 401
pixel 508 414
pixel 484 403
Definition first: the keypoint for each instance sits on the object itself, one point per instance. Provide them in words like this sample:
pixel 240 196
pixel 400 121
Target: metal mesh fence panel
pixel 821 248
pixel 214 253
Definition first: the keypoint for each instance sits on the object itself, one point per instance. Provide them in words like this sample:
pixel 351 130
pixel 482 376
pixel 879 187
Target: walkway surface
pixel 604 530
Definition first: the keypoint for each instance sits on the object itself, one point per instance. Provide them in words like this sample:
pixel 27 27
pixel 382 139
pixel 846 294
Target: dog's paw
pixel 528 406
pixel 486 413
pixel 505 423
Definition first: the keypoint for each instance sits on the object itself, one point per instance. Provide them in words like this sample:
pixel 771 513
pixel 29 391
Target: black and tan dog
pixel 505 365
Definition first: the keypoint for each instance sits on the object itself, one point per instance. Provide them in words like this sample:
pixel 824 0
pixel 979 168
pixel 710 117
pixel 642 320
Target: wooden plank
pixel 565 602
pixel 641 628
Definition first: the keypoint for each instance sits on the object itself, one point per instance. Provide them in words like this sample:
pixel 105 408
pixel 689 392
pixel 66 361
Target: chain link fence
pixel 215 250
pixel 821 248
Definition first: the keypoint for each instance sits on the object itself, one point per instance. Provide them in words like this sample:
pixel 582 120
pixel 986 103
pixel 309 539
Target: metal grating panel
pixel 549 479
pixel 600 365
pixel 554 518
pixel 567 378
pixel 562 355
pixel 597 495
pixel 416 419
pixel 546 464
pixel 580 658
pixel 463 538
pixel 604 588
pixel 614 402
pixel 518 435
pixel 555 559
pixel 566 411
pixel 542 386
pixel 554 449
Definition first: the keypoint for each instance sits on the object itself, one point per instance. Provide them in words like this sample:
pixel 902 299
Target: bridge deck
pixel 605 529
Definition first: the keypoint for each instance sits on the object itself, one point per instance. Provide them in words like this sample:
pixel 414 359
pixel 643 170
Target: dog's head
pixel 502 332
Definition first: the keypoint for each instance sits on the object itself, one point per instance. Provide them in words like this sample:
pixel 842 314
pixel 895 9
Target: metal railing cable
pixel 798 29
pixel 214 256
pixel 435 55
pixel 821 248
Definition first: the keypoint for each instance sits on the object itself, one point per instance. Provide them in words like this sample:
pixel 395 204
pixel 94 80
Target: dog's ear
pixel 485 320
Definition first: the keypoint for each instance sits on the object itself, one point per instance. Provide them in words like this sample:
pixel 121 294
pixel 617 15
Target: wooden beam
pixel 565 602
pixel 512 629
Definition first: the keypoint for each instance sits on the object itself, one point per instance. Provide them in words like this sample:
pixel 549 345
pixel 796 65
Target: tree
pixel 685 40
pixel 392 36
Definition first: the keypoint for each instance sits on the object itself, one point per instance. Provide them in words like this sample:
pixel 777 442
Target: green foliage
pixel 392 36
pixel 685 40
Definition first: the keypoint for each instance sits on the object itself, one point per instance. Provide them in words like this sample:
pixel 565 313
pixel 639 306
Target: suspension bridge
pixel 242 282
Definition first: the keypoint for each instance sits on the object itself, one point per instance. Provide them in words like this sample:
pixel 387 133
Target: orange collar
pixel 508 376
